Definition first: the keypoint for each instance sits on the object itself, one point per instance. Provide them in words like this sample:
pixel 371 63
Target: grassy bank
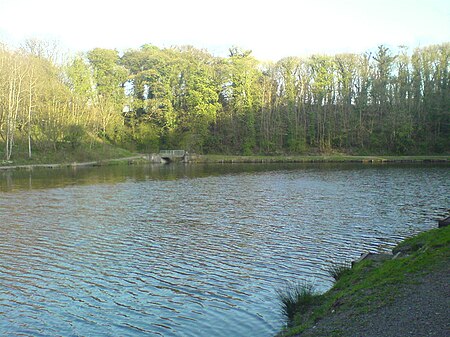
pixel 318 159
pixel 370 285
pixel 99 151
pixel 66 155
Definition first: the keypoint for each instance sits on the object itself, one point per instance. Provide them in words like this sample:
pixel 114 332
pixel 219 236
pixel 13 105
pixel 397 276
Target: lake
pixel 193 250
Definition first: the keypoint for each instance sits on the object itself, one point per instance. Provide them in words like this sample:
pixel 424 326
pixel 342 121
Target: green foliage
pixel 147 138
pixel 74 135
pixel 79 78
pixel 109 75
pixel 118 134
pixel 388 102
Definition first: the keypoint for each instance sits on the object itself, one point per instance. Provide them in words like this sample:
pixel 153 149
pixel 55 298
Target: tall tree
pixel 110 78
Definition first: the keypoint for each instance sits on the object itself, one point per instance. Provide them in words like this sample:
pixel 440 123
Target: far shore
pixel 230 159
pixel 103 162
pixel 319 159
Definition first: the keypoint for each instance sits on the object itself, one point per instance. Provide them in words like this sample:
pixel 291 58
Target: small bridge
pixel 171 155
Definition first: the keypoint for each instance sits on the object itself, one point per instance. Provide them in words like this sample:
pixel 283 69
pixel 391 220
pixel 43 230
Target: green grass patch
pixel 335 158
pixel 296 300
pixel 65 153
pixel 434 239
pixel 337 270
pixel 371 284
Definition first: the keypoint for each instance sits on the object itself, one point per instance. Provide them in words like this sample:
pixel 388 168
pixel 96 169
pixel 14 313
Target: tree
pixel 243 96
pixel 150 98
pixel 14 71
pixel 109 79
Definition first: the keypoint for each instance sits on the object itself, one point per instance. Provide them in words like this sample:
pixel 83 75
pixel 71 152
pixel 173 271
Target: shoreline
pixel 371 295
pixel 103 162
pixel 319 159
pixel 227 159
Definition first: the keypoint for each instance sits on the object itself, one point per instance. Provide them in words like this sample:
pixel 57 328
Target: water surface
pixel 174 250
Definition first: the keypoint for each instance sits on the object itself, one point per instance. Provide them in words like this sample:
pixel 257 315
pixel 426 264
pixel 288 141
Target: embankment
pixel 405 294
pixel 216 159
pixel 319 159
pixel 129 160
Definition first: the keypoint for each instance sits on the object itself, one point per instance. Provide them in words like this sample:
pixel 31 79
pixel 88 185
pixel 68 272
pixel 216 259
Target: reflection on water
pixel 60 177
pixel 191 250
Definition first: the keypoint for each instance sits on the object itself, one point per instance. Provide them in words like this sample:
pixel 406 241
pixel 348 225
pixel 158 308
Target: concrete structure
pixel 168 156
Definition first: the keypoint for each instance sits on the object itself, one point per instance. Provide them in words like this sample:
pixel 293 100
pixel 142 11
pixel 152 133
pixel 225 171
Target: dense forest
pixel 380 102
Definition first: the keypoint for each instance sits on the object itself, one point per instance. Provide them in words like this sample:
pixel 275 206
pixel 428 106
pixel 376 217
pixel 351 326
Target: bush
pixel 74 135
pixel 147 137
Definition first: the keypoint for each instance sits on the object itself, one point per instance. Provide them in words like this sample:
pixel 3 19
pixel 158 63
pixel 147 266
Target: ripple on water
pixel 195 257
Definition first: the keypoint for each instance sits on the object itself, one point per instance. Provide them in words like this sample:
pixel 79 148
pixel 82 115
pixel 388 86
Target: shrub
pixel 74 135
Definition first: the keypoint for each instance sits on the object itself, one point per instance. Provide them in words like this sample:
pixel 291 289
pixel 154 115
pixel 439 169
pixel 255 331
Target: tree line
pixel 153 98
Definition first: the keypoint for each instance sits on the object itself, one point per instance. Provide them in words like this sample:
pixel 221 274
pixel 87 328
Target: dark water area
pixel 193 250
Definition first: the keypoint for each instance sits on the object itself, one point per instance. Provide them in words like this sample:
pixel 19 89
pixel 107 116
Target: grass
pixel 97 150
pixel 371 284
pixel 64 153
pixel 296 299
pixel 334 158
pixel 337 270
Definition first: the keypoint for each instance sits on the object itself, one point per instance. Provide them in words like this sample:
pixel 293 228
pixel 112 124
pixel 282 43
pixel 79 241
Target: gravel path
pixel 420 308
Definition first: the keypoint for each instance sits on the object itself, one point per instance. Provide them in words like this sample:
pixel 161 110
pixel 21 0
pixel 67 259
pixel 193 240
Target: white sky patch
pixel 271 28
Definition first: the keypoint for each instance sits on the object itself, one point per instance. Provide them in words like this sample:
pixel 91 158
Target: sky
pixel 272 29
